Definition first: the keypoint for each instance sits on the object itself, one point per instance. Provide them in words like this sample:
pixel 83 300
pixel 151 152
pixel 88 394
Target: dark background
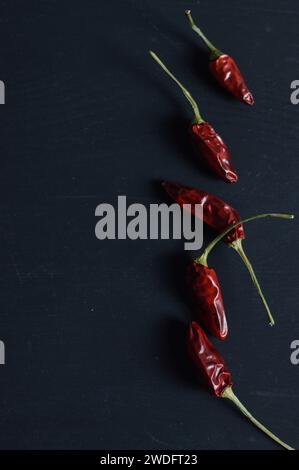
pixel 95 330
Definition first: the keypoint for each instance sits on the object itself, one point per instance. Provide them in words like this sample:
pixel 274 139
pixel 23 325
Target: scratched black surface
pixel 94 331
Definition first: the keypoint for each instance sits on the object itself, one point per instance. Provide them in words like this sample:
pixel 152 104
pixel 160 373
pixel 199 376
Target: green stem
pixel 228 393
pixel 197 117
pixel 214 51
pixel 237 245
pixel 203 258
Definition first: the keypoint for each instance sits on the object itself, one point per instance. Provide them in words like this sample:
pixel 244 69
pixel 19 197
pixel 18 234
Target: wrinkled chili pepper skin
pixel 216 213
pixel 208 299
pixel 227 73
pixel 207 359
pixel 211 147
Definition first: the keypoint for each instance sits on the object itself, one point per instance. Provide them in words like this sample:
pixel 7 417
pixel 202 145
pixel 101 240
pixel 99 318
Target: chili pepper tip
pixel 248 98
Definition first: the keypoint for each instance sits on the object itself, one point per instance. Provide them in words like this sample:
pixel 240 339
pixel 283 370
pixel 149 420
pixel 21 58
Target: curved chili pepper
pixel 216 375
pixel 204 138
pixel 216 213
pixel 224 68
pixel 206 287
pixel 208 299
pixel 219 215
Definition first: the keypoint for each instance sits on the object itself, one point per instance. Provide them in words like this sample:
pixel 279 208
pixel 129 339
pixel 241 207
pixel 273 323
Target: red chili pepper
pixel 220 216
pixel 216 374
pixel 208 299
pixel 206 287
pixel 209 144
pixel 224 68
pixel 213 368
pixel 205 139
pixel 216 213
pixel 227 73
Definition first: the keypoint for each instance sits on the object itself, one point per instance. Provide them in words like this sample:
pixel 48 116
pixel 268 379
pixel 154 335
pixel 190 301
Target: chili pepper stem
pixel 203 259
pixel 228 393
pixel 197 116
pixel 237 245
pixel 214 51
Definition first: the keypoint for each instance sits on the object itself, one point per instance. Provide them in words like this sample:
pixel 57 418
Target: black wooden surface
pixel 94 331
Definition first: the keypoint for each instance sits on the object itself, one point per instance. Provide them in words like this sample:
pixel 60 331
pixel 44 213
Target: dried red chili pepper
pixel 216 374
pixel 219 215
pixel 205 286
pixel 204 137
pixel 208 300
pixel 216 213
pixel 213 368
pixel 224 68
